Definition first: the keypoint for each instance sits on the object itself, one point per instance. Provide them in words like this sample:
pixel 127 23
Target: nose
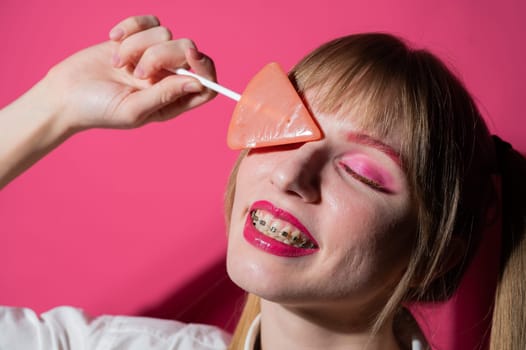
pixel 298 172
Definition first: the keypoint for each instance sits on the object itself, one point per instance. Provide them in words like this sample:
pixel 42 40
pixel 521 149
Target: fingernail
pixel 139 72
pixel 196 55
pixel 192 87
pixel 116 33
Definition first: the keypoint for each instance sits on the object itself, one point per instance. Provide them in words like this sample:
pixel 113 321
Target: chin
pixel 266 275
pixel 255 278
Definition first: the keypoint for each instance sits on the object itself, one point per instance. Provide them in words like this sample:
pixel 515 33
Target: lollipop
pixel 268 113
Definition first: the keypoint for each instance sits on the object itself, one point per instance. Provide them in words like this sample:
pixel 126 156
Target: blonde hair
pixel 449 158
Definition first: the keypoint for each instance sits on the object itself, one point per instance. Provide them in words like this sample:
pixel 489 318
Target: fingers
pixel 200 63
pixel 173 94
pixel 146 49
pixel 166 55
pixel 155 61
pixel 204 66
pixel 132 48
pixel 132 25
pixel 159 59
pixel 166 99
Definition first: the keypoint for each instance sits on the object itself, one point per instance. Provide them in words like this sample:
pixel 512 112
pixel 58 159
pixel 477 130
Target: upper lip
pixel 284 215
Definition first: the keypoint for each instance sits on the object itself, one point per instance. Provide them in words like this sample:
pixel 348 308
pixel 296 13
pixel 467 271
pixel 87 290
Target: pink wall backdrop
pixel 131 222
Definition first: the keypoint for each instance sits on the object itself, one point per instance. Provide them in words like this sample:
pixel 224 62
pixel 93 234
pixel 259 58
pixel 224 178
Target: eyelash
pixel 373 184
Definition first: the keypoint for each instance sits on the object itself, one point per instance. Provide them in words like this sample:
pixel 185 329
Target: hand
pixel 124 83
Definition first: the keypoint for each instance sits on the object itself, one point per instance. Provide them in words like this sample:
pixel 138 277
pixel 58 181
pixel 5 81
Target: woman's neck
pixel 292 328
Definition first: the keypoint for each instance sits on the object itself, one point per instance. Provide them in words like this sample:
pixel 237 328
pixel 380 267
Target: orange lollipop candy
pixel 268 113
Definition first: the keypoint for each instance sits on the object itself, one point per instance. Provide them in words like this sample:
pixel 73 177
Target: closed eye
pixel 367 181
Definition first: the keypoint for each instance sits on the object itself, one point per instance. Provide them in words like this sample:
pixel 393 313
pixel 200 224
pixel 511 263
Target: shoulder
pixel 70 328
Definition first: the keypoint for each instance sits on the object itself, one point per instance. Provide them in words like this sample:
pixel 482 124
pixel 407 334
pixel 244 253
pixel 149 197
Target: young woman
pixel 334 240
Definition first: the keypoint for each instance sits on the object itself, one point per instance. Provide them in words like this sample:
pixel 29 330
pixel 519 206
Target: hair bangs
pixel 365 78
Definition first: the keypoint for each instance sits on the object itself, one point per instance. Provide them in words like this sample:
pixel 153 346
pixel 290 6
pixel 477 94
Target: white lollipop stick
pixel 209 84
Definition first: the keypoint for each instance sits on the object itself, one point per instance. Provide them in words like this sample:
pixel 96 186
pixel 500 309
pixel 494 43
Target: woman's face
pixel 323 222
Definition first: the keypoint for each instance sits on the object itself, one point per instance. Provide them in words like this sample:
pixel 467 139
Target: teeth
pixel 284 232
pixel 279 230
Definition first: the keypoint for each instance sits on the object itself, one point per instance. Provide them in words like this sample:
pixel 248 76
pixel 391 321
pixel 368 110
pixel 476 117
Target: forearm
pixel 30 128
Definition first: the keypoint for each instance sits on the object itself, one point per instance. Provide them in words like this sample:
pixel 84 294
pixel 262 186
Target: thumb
pixel 140 106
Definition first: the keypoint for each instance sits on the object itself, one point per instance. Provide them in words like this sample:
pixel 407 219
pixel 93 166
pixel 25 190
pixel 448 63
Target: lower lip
pixel 270 245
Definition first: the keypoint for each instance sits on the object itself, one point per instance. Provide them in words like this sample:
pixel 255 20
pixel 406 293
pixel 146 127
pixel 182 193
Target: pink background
pixel 131 222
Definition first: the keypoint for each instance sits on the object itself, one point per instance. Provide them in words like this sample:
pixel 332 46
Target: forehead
pixel 356 118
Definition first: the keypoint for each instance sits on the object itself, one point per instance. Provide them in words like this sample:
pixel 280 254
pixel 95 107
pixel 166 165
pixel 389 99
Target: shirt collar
pixel 255 327
pixel 253 333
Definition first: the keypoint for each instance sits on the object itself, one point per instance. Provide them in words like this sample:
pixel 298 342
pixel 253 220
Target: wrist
pixel 47 111
pixel 30 127
pixel 41 117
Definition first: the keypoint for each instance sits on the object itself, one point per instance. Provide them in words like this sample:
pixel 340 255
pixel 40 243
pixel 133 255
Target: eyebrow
pixel 369 141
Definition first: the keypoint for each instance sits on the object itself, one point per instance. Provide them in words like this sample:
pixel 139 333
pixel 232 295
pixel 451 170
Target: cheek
pixel 372 240
pixel 253 178
pixel 244 184
pixel 242 178
pixel 393 245
pixel 250 173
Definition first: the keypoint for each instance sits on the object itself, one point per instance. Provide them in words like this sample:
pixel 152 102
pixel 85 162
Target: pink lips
pixel 270 245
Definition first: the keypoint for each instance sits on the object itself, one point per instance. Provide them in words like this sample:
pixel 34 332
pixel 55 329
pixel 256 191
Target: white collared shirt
pixel 255 328
pixel 67 328
pixel 252 335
